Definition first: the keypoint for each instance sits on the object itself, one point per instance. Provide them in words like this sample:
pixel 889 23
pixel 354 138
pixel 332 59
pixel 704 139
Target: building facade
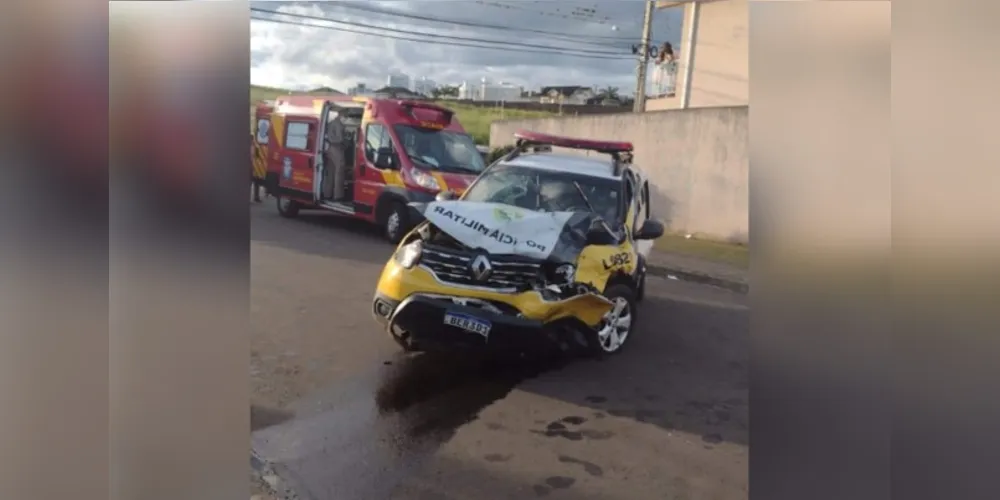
pixel 424 85
pixel 500 91
pixel 398 80
pixel 360 90
pixel 572 94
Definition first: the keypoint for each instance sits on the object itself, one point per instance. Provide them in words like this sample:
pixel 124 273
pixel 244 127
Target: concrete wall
pixel 720 62
pixel 697 161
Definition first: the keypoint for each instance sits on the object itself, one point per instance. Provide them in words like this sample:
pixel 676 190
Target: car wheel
pixel 616 328
pixel 396 222
pixel 287 207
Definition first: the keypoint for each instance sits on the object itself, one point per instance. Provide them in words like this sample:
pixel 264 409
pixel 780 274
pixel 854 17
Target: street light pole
pixel 647 33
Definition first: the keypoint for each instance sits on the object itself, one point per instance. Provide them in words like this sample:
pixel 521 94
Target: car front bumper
pixel 419 322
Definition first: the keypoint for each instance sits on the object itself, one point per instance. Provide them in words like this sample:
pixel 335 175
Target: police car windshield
pixel 443 150
pixel 545 191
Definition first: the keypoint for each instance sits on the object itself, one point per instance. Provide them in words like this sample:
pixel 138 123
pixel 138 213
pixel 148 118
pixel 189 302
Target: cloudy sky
pixel 524 42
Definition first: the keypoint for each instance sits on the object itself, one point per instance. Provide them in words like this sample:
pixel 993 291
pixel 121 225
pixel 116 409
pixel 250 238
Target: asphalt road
pixel 339 413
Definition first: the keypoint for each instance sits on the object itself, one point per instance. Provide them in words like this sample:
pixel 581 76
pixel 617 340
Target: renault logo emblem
pixel 481 268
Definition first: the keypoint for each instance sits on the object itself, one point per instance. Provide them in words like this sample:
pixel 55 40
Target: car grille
pixel 455 267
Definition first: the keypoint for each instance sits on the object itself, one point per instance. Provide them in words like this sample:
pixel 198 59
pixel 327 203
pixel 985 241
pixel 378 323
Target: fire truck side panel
pixel 259 145
pixel 294 159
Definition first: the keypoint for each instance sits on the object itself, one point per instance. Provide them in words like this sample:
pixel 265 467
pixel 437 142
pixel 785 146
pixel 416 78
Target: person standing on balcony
pixel 666 69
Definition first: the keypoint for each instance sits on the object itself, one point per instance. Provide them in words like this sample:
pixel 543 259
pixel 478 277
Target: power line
pixel 613 42
pixel 574 37
pixel 440 42
pixel 437 35
pixel 578 13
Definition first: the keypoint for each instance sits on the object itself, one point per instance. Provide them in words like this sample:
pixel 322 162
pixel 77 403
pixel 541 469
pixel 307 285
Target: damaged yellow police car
pixel 543 250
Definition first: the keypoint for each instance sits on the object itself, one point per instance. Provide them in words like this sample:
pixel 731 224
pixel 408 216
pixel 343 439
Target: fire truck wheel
pixel 396 222
pixel 286 207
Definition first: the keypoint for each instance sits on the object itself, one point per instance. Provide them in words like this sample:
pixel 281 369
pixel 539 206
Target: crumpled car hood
pixel 507 230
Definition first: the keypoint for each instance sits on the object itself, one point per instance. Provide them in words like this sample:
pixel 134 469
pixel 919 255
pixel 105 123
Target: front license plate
pixel 468 323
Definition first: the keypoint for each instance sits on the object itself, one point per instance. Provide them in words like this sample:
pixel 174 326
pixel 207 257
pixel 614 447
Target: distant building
pixel 396 93
pixel 326 90
pixel 501 91
pixel 425 86
pixel 486 91
pixel 467 92
pixel 398 80
pixel 360 90
pixel 570 94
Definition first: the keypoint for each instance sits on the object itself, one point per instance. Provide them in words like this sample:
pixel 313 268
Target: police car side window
pixel 374 134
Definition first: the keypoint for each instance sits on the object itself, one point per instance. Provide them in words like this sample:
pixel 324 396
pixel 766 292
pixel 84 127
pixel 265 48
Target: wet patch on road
pixel 566 428
pixel 497 457
pixel 439 392
pixel 553 483
pixel 589 467
pixel 262 418
pixel 713 438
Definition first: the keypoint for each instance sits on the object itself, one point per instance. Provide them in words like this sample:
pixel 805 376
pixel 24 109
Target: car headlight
pixel 566 273
pixel 409 255
pixel 425 180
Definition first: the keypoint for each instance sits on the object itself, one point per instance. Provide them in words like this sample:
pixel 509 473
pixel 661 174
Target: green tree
pixel 609 92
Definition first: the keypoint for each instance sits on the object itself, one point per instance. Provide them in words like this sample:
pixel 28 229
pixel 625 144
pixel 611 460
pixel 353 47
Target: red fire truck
pixel 399 151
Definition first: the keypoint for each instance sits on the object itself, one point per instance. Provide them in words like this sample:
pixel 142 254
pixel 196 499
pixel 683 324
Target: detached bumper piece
pixel 426 323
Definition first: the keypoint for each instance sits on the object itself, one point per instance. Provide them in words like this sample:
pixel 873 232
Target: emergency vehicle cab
pixel 397 151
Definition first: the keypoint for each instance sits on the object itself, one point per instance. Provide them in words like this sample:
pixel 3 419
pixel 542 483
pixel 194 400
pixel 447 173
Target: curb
pixel 700 278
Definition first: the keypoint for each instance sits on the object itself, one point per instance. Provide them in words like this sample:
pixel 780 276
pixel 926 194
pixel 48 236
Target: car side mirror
pixel 446 196
pixel 650 230
pixel 384 159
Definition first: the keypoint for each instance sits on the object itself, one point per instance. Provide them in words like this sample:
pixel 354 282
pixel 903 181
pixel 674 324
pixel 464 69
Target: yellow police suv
pixel 544 249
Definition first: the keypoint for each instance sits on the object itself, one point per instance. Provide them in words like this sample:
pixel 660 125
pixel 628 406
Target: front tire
pixel 287 208
pixel 616 328
pixel 396 222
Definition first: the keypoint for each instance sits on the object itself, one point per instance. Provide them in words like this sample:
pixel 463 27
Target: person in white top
pixel 666 70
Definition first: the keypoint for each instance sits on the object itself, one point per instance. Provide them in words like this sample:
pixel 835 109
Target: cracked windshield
pixel 547 192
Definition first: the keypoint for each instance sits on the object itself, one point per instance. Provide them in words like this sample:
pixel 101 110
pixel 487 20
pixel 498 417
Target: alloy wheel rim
pixel 616 326
pixel 392 223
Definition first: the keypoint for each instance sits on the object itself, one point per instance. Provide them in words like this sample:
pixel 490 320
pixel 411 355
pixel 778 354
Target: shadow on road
pixel 685 369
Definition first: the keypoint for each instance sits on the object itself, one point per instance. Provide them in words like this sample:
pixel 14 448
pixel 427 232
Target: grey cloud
pixel 348 58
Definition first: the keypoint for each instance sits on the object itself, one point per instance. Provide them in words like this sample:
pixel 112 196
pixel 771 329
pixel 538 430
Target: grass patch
pixel 476 120
pixel 715 251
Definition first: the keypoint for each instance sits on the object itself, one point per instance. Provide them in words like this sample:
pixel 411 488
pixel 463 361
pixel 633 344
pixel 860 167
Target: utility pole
pixel 647 34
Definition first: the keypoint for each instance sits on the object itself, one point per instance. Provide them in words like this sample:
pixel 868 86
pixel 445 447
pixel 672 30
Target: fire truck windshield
pixel 442 150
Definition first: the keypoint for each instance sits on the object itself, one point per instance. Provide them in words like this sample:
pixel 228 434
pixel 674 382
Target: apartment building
pixel 713 58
